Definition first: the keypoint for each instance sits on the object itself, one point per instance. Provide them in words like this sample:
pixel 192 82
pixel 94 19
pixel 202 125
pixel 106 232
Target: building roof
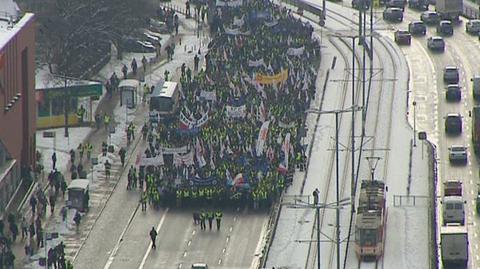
pixel 81 184
pixel 10 23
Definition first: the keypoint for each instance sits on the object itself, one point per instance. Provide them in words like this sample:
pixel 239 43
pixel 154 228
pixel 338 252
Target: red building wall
pixel 17 81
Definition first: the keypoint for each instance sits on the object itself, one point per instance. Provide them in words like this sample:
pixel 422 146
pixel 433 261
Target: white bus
pixel 164 100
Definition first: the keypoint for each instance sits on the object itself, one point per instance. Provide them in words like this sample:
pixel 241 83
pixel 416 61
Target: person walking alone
pixel 153 236
pixel 218 218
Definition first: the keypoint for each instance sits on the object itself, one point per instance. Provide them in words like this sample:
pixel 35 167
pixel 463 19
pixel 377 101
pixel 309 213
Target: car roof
pixel 474 21
pixel 457 146
pixel 417 22
pixel 429 12
pixel 394 9
pixel 445 22
pixel 199 264
pixel 451 67
pixel 403 32
pixel 454 115
pixel 436 38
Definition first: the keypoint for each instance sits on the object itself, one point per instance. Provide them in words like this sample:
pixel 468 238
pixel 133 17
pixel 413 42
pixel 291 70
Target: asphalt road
pixel 463 51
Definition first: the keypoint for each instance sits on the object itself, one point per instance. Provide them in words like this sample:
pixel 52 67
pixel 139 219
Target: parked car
pixel 393 14
pixel 458 154
pixel 453 93
pixel 472 27
pixel 396 3
pixel 451 74
pixel 436 43
pixel 445 28
pixel 134 45
pixel 403 37
pixel 417 28
pixel 430 17
pixel 453 123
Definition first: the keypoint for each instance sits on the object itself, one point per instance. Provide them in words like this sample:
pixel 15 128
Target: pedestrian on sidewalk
pixel 144 64
pixel 40 238
pixel 104 149
pixel 63 187
pixel 54 159
pixel 124 71
pixel 89 149
pixel 77 218
pixel 108 166
pixel 122 152
pixel 153 236
pixel 196 61
pixel 13 230
pixel 134 67
pixel 52 199
pixel 106 122
pixel 98 121
pixel 33 204
pixel 187 9
pixel 64 212
pixel 72 156
pixel 31 229
pixel 80 149
pixel 24 227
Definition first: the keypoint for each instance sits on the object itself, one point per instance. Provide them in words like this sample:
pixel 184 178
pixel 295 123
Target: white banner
pixel 186 123
pixel 270 23
pixel 181 150
pixel 202 120
pixel 295 51
pixel 238 22
pixel 286 125
pixel 262 138
pixel 186 159
pixel 230 3
pixel 236 111
pixel 209 96
pixel 231 31
pixel 156 161
pixel 256 63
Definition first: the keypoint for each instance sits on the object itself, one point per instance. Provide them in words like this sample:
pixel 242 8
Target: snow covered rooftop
pixel 45 80
pixel 9 26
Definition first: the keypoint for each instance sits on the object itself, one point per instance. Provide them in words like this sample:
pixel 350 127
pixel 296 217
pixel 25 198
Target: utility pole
pixel 337 168
pixel 67 103
pixel 299 204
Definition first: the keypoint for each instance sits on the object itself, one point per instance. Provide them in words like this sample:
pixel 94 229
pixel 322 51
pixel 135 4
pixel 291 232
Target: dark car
pixel 436 43
pixel 453 93
pixel 357 4
pixel 417 28
pixel 393 14
pixel 453 123
pixel 445 28
pixel 396 3
pixel 403 37
pixel 430 17
pixel 473 27
pixel 451 74
pixel 418 4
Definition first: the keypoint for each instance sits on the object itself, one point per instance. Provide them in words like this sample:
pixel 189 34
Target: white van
pixel 453 210
pixel 164 100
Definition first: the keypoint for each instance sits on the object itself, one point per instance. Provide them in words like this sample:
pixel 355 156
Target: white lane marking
pixel 120 239
pixel 223 250
pixel 162 220
pixel 189 243
pixel 185 254
pixel 219 261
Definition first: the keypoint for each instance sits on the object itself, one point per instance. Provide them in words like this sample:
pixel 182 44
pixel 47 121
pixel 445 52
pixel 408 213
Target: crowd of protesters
pixel 239 118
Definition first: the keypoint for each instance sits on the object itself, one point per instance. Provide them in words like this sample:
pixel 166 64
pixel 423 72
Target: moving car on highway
pixel 453 93
pixel 430 17
pixel 417 28
pixel 473 27
pixel 393 14
pixel 458 154
pixel 436 43
pixel 403 37
pixel 445 28
pixel 451 74
pixel 453 123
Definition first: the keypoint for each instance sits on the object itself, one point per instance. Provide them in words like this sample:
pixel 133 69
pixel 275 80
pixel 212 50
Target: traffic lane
pixel 109 225
pixel 136 240
pixel 172 239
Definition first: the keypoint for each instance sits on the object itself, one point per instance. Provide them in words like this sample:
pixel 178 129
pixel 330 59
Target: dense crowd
pixel 238 131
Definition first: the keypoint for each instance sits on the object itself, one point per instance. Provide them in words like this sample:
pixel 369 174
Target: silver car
pixel 472 26
pixel 436 43
pixel 458 153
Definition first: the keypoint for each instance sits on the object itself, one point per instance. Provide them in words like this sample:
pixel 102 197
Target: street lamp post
pixel 414 124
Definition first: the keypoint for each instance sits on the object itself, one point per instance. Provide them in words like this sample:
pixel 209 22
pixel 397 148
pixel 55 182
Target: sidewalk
pixel 95 137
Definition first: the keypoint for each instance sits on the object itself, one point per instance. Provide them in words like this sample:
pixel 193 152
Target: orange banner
pixel 277 78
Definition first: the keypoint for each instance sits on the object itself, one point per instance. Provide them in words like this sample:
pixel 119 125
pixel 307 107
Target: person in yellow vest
pixel 89 149
pixel 218 218
pixel 106 121
pixel 80 113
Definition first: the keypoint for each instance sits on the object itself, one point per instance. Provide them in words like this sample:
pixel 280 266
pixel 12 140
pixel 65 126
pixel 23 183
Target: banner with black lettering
pixel 236 111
